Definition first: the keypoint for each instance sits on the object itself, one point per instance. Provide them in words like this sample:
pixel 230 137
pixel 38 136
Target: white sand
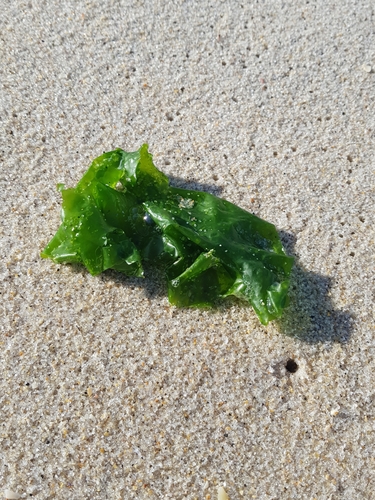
pixel 108 392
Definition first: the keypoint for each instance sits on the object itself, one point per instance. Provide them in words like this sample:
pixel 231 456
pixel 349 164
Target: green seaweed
pixel 123 211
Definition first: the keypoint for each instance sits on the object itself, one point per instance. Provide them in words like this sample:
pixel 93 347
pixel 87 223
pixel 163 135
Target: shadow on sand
pixel 311 316
pixel 178 182
pixel 154 283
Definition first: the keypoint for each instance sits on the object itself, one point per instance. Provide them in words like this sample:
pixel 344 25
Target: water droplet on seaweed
pixel 148 219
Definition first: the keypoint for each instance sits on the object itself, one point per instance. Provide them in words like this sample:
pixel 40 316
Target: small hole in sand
pixel 291 366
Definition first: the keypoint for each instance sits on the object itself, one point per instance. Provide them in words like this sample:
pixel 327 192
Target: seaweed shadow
pixel 311 316
pixel 154 282
pixel 179 182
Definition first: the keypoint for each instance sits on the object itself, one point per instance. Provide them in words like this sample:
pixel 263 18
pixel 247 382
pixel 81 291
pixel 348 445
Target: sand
pixel 107 391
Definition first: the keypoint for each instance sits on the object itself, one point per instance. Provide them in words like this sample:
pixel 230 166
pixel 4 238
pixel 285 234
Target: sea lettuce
pixel 123 211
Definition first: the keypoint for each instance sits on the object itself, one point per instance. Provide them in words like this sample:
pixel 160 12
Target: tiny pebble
pixel 222 494
pixel 367 68
pixel 11 495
